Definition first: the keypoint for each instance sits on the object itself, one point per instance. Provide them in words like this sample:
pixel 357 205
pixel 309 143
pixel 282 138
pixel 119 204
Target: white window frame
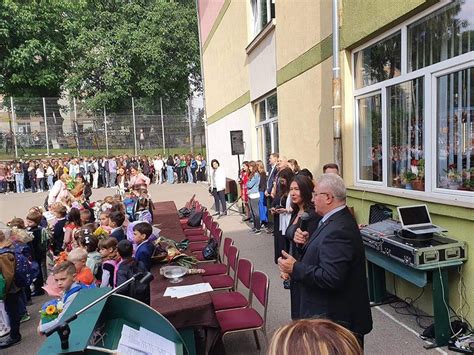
pixel 429 74
pixel 261 146
pixel 256 9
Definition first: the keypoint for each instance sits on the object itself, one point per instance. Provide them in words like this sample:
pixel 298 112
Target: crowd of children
pixel 72 245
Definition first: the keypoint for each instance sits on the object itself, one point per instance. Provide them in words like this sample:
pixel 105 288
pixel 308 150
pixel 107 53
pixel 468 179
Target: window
pixel 266 118
pixel 455 126
pixel 442 35
pixel 379 62
pixel 262 12
pixel 414 99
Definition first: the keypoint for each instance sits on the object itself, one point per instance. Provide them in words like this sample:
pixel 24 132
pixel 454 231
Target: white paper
pixel 126 350
pixel 146 342
pixel 188 290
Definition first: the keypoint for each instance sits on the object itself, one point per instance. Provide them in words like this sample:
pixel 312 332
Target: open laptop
pixel 417 220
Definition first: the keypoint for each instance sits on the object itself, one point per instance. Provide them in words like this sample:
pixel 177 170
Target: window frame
pixel 261 146
pixel 429 75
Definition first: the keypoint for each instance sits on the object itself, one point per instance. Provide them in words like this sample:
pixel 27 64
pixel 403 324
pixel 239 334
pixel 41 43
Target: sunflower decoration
pixel 51 310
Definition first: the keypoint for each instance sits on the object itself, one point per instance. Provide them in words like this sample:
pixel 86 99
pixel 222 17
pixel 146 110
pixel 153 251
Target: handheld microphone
pixel 304 221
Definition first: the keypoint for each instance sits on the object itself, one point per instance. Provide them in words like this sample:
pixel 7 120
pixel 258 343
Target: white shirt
pixel 158 164
pixel 218 179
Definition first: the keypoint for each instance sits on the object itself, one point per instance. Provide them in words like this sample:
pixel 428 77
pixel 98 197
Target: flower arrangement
pixel 51 310
pixel 169 250
pixel 452 174
pixel 100 233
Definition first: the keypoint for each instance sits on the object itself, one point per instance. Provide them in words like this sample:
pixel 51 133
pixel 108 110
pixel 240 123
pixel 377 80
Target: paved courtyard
pixel 393 333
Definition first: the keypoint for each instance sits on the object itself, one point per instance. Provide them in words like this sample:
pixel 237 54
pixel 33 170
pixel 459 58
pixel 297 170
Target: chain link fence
pixel 42 127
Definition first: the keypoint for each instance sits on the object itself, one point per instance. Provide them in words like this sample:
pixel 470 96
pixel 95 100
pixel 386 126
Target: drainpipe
pixel 206 137
pixel 336 88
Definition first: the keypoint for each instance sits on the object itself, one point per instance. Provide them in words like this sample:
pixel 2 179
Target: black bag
pixel 184 212
pixel 210 250
pixel 194 219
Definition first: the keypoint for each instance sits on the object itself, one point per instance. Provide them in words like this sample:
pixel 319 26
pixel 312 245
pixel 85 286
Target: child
pixel 85 216
pixel 38 249
pixel 104 219
pixel 128 267
pixel 144 251
pixel 90 243
pixel 116 222
pixel 13 293
pixel 108 252
pixel 142 210
pixel 73 224
pixel 78 257
pixel 64 275
pixel 59 211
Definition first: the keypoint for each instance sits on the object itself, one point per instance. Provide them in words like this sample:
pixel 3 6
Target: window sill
pixel 438 198
pixel 269 27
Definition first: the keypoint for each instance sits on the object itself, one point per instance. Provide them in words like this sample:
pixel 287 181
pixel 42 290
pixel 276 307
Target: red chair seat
pixel 214 269
pixel 219 281
pixel 237 319
pixel 193 232
pixel 197 238
pixel 197 246
pixel 228 300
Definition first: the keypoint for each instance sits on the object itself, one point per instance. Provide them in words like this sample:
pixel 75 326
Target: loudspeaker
pixel 237 142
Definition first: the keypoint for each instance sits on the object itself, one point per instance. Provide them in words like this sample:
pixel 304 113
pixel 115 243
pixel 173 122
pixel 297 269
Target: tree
pixel 140 49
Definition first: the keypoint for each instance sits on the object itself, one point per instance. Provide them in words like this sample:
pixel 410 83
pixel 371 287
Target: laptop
pixel 417 220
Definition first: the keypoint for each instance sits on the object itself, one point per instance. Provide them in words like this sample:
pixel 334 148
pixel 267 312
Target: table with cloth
pixel 185 313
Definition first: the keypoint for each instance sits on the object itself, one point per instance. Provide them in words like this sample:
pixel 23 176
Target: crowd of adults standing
pixel 38 175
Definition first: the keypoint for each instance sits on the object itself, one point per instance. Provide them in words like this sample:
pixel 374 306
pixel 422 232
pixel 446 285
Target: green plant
pixel 408 177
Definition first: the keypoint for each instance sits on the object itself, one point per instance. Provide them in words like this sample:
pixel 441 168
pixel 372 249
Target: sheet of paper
pixel 142 341
pixel 188 290
pixel 126 350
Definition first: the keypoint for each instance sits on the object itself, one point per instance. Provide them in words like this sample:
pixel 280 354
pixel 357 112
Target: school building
pixel 403 89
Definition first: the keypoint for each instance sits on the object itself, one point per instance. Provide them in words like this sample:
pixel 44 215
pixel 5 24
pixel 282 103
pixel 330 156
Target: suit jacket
pixel 58 236
pixel 119 234
pixel 331 275
pixel 144 253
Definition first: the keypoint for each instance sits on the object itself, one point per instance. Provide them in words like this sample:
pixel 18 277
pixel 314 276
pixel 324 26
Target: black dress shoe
pixel 9 342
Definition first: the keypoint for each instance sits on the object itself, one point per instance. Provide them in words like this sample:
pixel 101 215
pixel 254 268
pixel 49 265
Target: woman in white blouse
pixel 218 188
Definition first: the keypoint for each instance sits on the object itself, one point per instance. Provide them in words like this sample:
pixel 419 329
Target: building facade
pixel 407 86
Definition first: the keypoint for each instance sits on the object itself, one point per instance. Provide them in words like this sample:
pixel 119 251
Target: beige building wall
pixel 300 25
pixel 305 117
pixel 225 59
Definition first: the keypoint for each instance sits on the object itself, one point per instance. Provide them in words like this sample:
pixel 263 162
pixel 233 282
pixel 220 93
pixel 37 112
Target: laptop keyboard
pixel 421 228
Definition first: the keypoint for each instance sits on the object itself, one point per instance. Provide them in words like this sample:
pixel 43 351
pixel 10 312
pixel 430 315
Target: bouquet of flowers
pixel 169 250
pixel 51 310
pixel 100 233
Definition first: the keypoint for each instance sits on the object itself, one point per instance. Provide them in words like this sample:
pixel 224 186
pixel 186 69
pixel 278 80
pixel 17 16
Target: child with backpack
pixel 39 246
pixel 108 251
pixel 128 267
pixel 142 210
pixel 89 243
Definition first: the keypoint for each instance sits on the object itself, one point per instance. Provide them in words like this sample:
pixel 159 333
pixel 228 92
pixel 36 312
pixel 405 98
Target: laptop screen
pixel 414 215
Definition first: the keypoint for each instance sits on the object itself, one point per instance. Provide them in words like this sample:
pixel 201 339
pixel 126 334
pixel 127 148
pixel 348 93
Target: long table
pixel 188 312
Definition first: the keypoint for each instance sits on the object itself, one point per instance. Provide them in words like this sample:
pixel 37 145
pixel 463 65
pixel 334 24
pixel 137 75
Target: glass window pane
pixel 405 135
pixel 261 111
pixel 272 106
pixel 263 14
pixel 444 34
pixel 455 127
pixel 379 62
pixel 268 141
pixel 370 138
pixel 276 141
pixel 260 144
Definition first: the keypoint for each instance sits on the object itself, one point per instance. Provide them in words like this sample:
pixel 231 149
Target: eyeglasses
pixel 320 193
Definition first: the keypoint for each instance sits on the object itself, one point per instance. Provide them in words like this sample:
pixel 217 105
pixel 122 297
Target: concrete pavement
pixel 392 334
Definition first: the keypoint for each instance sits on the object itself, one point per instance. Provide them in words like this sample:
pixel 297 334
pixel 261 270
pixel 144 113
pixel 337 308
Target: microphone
pixel 147 278
pixel 304 221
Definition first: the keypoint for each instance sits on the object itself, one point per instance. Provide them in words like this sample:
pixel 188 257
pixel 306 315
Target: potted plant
pixel 419 182
pixel 407 178
pixel 454 177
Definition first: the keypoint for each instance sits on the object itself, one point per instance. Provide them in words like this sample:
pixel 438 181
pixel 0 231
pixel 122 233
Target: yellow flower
pixel 60 306
pixel 50 310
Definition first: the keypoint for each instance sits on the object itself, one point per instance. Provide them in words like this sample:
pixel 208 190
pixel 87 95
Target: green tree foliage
pixel 101 51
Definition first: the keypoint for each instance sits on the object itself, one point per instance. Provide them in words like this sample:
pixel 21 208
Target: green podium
pixel 110 315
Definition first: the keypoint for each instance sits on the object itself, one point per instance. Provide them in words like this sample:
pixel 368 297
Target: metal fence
pixel 42 127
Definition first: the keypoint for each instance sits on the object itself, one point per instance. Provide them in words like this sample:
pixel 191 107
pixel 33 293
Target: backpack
pixel 23 275
pixel 75 289
pixel 46 239
pixel 130 207
pixel 116 265
pixel 136 289
pixel 143 216
pixel 194 219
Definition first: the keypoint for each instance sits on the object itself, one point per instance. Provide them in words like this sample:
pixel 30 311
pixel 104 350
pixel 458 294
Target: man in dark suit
pixel 330 274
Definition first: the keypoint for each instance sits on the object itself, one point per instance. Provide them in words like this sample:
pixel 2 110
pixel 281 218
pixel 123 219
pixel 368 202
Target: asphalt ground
pixel 393 333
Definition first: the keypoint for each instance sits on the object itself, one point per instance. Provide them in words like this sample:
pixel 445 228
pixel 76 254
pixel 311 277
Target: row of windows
pixel 414 96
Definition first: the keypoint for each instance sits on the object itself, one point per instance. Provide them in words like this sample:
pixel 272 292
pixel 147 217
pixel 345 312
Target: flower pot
pixel 408 186
pixel 418 185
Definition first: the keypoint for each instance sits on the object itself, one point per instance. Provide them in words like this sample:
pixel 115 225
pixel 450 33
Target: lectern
pixel 109 316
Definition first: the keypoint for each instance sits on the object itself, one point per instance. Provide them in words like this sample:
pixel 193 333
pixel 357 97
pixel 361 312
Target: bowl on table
pixel 174 273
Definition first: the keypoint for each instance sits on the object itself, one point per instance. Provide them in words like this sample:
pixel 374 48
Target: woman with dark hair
pixel 281 209
pixel 293 164
pixel 170 165
pixel 244 194
pixel 254 196
pixel 86 187
pixel 301 189
pixel 217 187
